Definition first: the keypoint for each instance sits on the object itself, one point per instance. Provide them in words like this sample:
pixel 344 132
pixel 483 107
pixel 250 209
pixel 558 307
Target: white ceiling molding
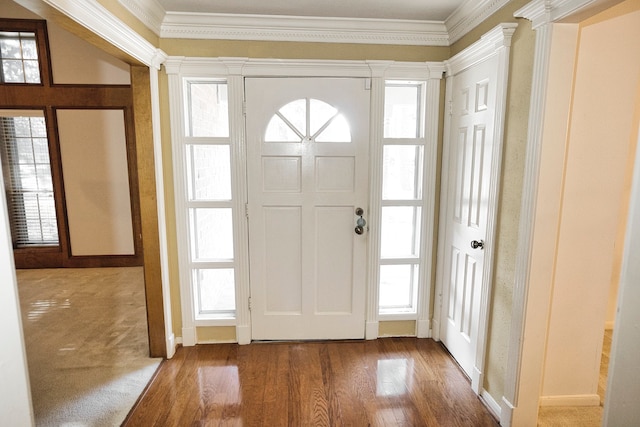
pixel 214 26
pixel 500 35
pixel 303 29
pixel 541 12
pixel 149 12
pixel 93 16
pixel 469 15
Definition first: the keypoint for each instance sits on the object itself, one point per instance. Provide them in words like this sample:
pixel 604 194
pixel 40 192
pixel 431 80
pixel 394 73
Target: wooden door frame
pixel 495 43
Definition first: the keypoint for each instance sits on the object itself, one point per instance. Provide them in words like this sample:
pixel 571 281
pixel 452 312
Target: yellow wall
pixel 301 50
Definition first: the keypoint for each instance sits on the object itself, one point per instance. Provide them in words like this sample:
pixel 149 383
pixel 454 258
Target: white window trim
pixel 234 70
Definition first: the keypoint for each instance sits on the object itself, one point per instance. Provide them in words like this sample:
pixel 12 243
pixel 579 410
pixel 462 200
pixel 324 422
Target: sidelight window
pixel 209 199
pixel 402 198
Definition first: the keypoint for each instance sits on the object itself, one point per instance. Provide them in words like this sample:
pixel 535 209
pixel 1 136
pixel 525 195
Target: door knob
pixel 360 222
pixel 475 244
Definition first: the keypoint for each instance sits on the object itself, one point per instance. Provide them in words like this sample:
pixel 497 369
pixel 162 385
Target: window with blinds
pixel 27 179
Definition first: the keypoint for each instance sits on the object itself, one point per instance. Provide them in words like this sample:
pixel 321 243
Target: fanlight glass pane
pixel 402 110
pixel 279 131
pixel 209 172
pixel 289 124
pixel 402 172
pixel 208 108
pixel 296 113
pixel 320 113
pixel 398 288
pixel 211 234
pixel 337 131
pixel 215 290
pixel 400 233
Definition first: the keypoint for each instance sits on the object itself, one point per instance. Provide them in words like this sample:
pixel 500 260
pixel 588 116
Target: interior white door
pixel 471 136
pixel 307 157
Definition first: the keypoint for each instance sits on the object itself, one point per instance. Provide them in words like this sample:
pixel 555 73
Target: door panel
pixel 307 144
pixel 471 125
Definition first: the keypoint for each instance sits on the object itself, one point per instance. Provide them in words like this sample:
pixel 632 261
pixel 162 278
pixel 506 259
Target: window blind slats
pixel 28 181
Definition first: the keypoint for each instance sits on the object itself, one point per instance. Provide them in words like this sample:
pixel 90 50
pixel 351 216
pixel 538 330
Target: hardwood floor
pixel 385 382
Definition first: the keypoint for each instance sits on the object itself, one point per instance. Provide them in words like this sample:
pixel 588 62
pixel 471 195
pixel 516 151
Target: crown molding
pixel 303 29
pixel 96 18
pixel 541 12
pixel 469 15
pixel 489 44
pixel 149 12
pixel 220 26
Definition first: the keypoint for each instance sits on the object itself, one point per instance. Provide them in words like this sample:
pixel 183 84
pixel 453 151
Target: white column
pixel 375 200
pixel 15 392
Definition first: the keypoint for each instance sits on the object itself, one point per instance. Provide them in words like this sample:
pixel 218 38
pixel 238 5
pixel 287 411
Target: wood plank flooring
pixel 384 382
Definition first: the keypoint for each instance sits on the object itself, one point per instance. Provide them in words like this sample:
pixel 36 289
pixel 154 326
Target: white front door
pixel 307 157
pixel 471 145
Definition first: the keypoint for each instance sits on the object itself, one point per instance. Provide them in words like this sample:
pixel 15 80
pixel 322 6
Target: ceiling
pixel 424 10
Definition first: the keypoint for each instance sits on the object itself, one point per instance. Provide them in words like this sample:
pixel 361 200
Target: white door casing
pixel 476 95
pixel 307 264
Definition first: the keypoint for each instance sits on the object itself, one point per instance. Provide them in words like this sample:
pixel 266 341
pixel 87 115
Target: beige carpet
pixel 87 345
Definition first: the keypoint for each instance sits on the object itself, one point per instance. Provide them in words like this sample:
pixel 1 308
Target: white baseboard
pixel 571 400
pixel 506 412
pixel 171 346
pixel 423 329
pixel 371 331
pixel 491 403
pixel 243 335
pixel 189 337
pixel 217 342
pixel 477 380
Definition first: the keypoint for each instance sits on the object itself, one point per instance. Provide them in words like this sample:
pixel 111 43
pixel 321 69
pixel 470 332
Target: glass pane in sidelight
pixel 208 109
pixel 398 285
pixel 402 172
pixel 209 172
pixel 211 234
pixel 215 290
pixel 402 111
pixel 400 232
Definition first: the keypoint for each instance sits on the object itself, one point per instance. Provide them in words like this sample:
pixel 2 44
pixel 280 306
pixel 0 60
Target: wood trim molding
pixel 99 20
pixel 496 42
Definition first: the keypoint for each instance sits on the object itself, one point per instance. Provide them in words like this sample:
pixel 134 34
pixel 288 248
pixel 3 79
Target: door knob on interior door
pixel 477 244
pixel 360 222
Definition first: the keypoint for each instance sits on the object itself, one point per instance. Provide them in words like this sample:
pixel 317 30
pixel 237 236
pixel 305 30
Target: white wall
pixel 15 393
pixel 96 181
pixel 593 202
